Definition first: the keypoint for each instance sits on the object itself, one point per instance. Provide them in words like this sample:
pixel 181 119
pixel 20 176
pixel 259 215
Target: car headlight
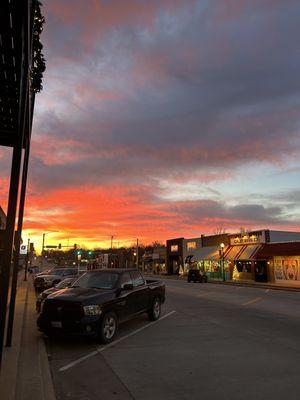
pixel 92 310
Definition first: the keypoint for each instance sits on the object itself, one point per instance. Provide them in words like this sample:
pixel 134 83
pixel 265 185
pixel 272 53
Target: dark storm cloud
pixel 209 89
pixel 207 211
pixel 137 92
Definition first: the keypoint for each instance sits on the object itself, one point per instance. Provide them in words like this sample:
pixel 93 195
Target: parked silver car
pixel 49 279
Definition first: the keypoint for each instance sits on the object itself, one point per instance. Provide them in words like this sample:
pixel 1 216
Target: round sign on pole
pixel 23 249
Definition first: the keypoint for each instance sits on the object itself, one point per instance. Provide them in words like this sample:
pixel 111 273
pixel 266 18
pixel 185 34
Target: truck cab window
pixel 137 279
pixel 125 280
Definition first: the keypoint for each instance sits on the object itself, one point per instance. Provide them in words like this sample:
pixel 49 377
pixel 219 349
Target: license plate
pixel 56 324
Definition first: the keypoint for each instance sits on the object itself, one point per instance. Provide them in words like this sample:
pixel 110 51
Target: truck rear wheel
pixel 108 327
pixel 155 309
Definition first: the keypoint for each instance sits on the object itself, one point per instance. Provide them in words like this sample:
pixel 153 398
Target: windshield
pixel 63 271
pixel 97 280
pixel 64 283
pixel 47 272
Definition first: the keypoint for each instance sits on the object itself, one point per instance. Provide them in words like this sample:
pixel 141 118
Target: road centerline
pixel 102 348
pixel 252 301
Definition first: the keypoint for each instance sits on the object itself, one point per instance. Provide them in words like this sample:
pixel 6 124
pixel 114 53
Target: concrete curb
pixel 47 381
pixel 243 284
pixel 258 286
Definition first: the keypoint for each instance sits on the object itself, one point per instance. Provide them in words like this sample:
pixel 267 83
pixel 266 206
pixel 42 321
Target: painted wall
pixel 287 269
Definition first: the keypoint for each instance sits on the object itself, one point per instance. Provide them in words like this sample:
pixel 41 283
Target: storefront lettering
pixel 244 239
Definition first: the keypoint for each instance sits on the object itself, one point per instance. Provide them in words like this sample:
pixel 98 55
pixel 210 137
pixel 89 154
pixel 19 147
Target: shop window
pixel 243 266
pixel 191 245
pixel 174 247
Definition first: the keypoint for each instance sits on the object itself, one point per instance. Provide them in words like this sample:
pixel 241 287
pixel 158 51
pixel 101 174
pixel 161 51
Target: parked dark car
pixel 61 285
pixel 99 300
pixel 34 270
pixel 195 275
pixel 51 278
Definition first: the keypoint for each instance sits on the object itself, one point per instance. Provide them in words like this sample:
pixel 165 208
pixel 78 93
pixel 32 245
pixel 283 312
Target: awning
pixel 244 252
pixel 249 252
pixel 233 252
pixel 206 253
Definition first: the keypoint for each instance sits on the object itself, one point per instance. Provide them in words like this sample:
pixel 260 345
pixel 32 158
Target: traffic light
pixel 59 246
pixel 78 252
pixel 90 252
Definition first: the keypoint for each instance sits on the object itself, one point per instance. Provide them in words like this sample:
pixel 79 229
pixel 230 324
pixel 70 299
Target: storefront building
pixel 282 261
pixel 154 261
pixel 175 255
pixel 202 252
pixel 261 256
pixel 244 253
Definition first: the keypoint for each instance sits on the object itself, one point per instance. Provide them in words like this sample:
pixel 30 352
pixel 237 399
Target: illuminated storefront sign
pixel 174 247
pixel 246 239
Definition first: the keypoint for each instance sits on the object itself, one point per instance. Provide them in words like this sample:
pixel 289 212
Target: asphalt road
pixel 222 342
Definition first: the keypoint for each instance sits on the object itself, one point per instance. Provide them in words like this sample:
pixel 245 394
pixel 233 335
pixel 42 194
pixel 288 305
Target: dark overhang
pixel 10 69
pixel 12 52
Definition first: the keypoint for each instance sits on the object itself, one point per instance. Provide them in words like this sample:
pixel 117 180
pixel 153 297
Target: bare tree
pixel 219 230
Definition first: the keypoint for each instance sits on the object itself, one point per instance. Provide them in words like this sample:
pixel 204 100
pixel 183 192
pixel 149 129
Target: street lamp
pixel 222 245
pixel 136 253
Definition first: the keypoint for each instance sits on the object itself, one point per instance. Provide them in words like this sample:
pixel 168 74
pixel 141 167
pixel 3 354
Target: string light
pixel 38 60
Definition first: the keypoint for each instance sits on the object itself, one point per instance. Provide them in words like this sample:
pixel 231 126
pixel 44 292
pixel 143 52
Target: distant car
pixel 61 285
pixel 46 272
pixel 195 275
pixel 47 280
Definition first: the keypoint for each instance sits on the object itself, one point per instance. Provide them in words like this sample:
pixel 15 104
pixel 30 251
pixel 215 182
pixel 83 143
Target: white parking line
pixel 252 301
pixel 100 349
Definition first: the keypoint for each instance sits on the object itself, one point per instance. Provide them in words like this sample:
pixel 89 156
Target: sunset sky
pixel 165 118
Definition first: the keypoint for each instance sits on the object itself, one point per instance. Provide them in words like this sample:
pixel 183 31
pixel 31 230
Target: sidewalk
pixel 25 373
pixel 264 285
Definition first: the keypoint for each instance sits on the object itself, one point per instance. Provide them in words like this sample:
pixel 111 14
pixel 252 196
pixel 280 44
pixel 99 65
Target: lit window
pixel 191 245
pixel 174 247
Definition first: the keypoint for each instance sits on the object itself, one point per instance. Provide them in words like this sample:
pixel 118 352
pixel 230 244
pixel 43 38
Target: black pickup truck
pixel 98 301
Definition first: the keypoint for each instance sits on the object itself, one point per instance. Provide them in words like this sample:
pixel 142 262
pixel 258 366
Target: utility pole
pixel 137 253
pixel 42 256
pixel 27 260
pixel 111 251
pixel 43 246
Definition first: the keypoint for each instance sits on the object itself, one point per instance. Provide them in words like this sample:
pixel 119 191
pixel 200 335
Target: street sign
pixel 23 249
